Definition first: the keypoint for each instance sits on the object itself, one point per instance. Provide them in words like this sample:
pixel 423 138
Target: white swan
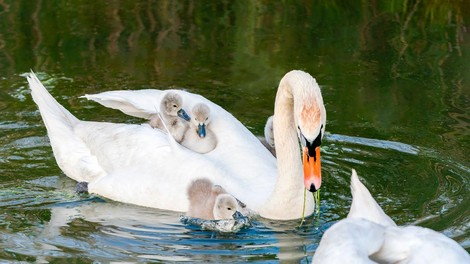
pixel 144 166
pixel 173 115
pixel 368 235
pixel 199 136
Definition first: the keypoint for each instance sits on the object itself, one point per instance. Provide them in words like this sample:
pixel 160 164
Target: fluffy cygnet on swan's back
pixel 199 137
pixel 173 115
pixel 268 139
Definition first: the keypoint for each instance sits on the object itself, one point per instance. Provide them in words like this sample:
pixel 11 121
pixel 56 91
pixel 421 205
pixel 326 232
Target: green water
pixel 395 77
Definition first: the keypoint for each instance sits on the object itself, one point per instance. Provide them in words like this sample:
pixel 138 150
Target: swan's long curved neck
pixel 287 199
pixel 290 169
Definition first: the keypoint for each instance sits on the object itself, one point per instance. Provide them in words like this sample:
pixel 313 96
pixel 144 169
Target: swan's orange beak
pixel 312 170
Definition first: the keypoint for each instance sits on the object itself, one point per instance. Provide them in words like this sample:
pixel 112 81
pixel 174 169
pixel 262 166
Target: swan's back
pixel 351 240
pixel 252 168
pixel 415 244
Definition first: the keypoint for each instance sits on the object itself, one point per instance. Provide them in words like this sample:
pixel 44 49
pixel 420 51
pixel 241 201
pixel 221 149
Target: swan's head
pixel 225 206
pixel 201 118
pixel 310 119
pixel 171 105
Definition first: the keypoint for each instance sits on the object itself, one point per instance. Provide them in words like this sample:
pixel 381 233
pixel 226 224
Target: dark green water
pixel 395 77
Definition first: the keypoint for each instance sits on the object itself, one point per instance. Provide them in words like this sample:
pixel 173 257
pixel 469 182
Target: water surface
pixel 394 77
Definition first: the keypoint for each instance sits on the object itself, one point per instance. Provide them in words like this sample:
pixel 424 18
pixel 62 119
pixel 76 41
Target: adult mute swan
pixel 139 165
pixel 368 235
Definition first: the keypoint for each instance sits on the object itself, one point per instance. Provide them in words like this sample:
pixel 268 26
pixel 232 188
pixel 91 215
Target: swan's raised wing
pixel 364 205
pixel 138 103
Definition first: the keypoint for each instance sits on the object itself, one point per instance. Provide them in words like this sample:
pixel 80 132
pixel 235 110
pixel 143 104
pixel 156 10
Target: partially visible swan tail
pixel 71 153
pixel 364 206
pixel 51 110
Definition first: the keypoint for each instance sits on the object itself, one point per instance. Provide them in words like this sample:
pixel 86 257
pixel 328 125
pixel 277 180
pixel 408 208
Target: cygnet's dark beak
pixel 237 215
pixel 201 130
pixel 181 113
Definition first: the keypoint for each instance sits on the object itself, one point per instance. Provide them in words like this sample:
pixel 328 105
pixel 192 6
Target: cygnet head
pixel 269 131
pixel 201 118
pixel 225 206
pixel 172 104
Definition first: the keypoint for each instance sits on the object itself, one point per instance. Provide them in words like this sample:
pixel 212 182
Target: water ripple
pixel 42 216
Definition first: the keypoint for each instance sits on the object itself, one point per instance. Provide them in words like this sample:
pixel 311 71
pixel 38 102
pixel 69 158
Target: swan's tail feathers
pixel 51 110
pixel 71 153
pixel 364 206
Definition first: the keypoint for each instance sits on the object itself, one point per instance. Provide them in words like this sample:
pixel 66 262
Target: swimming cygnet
pixel 210 202
pixel 268 140
pixel 173 115
pixel 225 206
pixel 199 137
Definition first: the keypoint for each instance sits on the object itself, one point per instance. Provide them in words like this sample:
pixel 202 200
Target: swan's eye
pixel 229 208
pixel 175 106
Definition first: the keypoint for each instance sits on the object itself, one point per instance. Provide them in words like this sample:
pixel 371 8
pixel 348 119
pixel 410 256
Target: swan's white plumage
pixel 368 235
pixel 364 206
pixel 139 165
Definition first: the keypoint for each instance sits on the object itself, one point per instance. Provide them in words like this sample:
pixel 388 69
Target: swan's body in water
pixel 268 139
pixel 144 166
pixel 368 235
pixel 199 137
pixel 173 115
pixel 210 202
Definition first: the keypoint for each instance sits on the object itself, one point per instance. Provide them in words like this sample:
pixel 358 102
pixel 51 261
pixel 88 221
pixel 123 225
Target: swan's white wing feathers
pixel 364 205
pixel 139 103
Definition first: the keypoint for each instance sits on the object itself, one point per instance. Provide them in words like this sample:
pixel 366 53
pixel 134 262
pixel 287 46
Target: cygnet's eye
pixel 229 208
pixel 207 118
pixel 175 106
